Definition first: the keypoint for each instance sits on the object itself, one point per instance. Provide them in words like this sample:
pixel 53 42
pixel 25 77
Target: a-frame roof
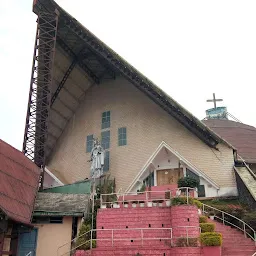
pixel 82 60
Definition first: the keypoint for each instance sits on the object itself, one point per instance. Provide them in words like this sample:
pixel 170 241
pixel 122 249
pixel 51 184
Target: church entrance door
pixel 169 176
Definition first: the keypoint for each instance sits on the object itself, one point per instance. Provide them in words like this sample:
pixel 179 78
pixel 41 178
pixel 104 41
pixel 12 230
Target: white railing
pixel 206 209
pixel 141 232
pixel 146 196
pixel 29 254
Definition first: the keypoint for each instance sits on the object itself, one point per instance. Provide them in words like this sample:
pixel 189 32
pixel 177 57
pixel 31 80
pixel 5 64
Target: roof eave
pixel 133 75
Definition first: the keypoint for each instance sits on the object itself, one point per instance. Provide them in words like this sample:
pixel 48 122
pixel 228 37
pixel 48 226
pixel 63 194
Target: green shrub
pixel 143 188
pixel 187 242
pixel 202 219
pixel 207 227
pixel 211 239
pixel 188 182
pixel 183 200
pixel 83 240
pixel 250 219
pixel 197 203
pixel 237 211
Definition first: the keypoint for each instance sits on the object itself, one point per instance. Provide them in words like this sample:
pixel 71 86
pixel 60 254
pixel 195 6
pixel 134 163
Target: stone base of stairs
pixel 145 251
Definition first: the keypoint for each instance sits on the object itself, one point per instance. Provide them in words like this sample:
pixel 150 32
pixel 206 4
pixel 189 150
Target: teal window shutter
pixel 105 123
pixel 89 143
pixel 106 162
pixel 122 136
pixel 105 139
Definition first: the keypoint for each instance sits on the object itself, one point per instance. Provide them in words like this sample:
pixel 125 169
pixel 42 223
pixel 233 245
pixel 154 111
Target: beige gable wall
pixel 147 126
pixel 51 236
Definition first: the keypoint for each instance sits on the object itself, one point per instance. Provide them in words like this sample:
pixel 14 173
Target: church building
pixel 94 93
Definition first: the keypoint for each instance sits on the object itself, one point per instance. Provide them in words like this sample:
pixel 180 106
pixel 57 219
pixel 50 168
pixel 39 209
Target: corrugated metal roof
pixel 81 187
pixel 19 179
pixel 241 136
pixel 58 204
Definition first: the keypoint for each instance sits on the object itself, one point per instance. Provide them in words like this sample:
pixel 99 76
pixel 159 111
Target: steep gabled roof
pixel 239 135
pixel 82 60
pixel 19 179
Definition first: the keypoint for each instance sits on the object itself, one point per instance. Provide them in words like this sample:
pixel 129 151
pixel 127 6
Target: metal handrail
pixel 142 238
pixel 248 168
pixel 30 253
pixel 70 242
pixel 147 199
pixel 225 221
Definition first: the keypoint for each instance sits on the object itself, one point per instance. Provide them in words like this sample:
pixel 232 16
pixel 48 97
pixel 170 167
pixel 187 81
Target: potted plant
pixel 126 204
pixel 134 204
pixel 211 243
pixel 160 203
pixel 103 206
pixel 116 205
pixel 155 203
pixel 150 204
pixel 211 215
pixel 187 182
pixel 142 204
pixel 168 198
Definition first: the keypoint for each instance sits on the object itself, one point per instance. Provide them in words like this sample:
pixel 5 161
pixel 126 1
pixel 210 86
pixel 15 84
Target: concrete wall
pixel 147 126
pixel 52 236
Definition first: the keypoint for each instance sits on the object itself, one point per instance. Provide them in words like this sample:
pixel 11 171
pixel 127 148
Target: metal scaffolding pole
pixel 35 134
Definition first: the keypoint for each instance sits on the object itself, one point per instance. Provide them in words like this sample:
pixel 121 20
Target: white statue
pixel 97 159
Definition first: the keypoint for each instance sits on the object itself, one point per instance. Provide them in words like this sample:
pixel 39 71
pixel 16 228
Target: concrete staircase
pixel 234 241
pixel 248 178
pixel 145 251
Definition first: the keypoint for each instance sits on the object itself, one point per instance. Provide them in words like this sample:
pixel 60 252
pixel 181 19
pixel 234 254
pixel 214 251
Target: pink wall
pixel 185 215
pixel 130 221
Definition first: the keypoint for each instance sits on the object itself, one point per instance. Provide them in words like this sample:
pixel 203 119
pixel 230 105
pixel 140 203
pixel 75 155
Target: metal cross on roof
pixel 214 100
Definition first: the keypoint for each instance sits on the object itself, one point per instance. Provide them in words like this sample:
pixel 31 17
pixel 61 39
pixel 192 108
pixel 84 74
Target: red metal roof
pixel 19 179
pixel 239 135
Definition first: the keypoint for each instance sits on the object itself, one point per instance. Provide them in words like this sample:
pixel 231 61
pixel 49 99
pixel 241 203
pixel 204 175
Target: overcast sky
pixel 188 48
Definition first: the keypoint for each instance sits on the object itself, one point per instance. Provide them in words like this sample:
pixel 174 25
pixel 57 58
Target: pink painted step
pixel 145 251
pixel 234 241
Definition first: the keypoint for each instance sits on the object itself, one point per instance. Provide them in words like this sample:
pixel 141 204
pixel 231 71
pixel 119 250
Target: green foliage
pixel 202 219
pixel 207 227
pixel 211 213
pixel 237 211
pixel 83 240
pixel 106 186
pixel 250 219
pixel 143 188
pixel 211 239
pixel 183 200
pixel 188 182
pixel 197 203
pixel 186 242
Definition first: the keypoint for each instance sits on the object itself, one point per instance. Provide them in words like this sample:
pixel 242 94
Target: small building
pixel 57 217
pixel 19 179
